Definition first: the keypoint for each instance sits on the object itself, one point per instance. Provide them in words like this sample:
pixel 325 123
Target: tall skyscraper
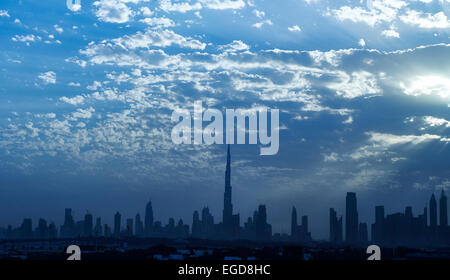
pixel 333 225
pixel 227 205
pixel 378 226
pixel 443 219
pixel 230 222
pixel 363 233
pixel 433 212
pixel 117 224
pixel 294 224
pixel 351 218
pixel 148 223
pixel 68 228
pixel 42 229
pixel 98 231
pixel 138 227
pixel 88 224
pixel 130 227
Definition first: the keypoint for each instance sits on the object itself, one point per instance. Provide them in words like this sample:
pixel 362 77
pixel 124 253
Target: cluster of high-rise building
pixel 388 230
pixel 203 226
pixel 398 229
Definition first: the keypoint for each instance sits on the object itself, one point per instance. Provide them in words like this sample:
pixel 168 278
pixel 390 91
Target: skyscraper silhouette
pixel 230 222
pixel 443 219
pixel 351 218
pixel 117 226
pixel 294 224
pixel 68 228
pixel 335 227
pixel 227 205
pixel 148 223
pixel 378 226
pixel 98 231
pixel 138 227
pixel 433 212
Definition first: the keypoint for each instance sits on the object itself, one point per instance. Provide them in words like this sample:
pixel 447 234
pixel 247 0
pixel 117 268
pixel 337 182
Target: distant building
pixel 117 224
pixel 351 218
pixel 336 228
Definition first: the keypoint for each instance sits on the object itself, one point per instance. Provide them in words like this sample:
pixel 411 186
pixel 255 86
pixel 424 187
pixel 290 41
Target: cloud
pixel 4 13
pixel 390 33
pixel 58 28
pixel 148 39
pixel 381 11
pixel 426 20
pixel 234 46
pixel 168 6
pixel 426 85
pixel 77 100
pixel 223 4
pixel 362 42
pixel 387 140
pixel 26 38
pixel 158 22
pixel 114 11
pixel 48 77
pixel 436 122
pixel 295 28
pixel 261 23
pixel 355 85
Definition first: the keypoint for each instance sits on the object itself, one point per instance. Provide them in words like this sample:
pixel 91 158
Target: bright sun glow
pixel 428 85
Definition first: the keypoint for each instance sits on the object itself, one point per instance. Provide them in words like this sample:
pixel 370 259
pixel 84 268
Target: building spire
pixel 227 204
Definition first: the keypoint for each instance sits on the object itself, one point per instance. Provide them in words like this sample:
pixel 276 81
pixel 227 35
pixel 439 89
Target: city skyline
pixel 390 229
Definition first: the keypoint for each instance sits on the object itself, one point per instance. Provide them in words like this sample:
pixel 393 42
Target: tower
pixel 148 218
pixel 117 226
pixel 333 226
pixel 433 212
pixel 227 205
pixel 443 219
pixel 88 224
pixel 293 222
pixel 351 218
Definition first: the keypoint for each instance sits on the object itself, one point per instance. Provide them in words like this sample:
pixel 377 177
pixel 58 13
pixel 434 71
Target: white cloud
pixel 387 140
pixel 115 11
pixel 83 113
pixel 427 85
pixel 4 13
pixel 355 85
pixel 58 28
pixel 390 33
pixel 158 22
pixel 379 12
pixel 433 121
pixel 48 77
pixel 26 38
pixel 223 4
pixel 261 23
pixel 148 39
pixel 259 14
pixel 168 6
pixel 295 28
pixel 145 11
pixel 77 100
pixel 73 84
pixel 362 42
pixel 426 20
pixel 235 46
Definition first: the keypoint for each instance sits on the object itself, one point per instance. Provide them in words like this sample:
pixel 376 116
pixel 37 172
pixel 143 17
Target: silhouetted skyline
pixel 390 230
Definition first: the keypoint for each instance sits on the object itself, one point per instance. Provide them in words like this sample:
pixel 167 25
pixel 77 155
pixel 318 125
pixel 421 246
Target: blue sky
pixel 86 96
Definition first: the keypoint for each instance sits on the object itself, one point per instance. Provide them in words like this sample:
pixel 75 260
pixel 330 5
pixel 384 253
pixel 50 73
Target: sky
pixel 87 92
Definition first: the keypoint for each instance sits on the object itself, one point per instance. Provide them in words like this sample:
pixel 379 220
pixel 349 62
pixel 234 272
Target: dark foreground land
pixel 201 250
